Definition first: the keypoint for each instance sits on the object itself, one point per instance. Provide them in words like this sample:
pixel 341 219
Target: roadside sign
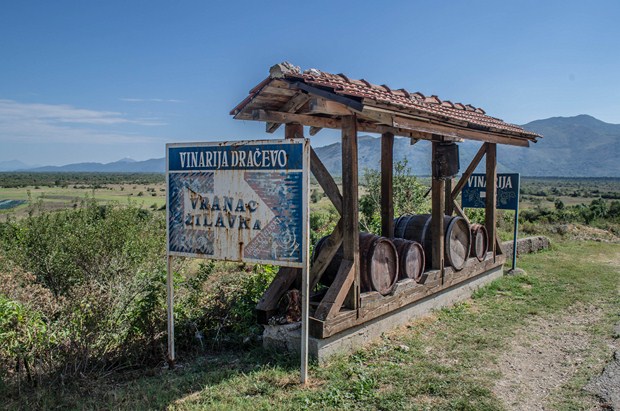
pixel 474 191
pixel 238 201
pixel 474 196
pixel 243 201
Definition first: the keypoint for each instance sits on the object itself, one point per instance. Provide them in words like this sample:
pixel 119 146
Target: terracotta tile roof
pixel 431 107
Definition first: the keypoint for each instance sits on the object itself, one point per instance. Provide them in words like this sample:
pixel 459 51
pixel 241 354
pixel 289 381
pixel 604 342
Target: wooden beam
pixel 387 189
pixel 437 225
pixel 328 251
pixel 491 193
pixel 304 119
pixel 292 105
pixel 455 131
pixel 337 292
pixel 325 180
pixel 347 101
pixel 320 105
pixel 448 197
pixel 268 304
pixel 350 206
pixel 314 130
pixel 293 130
pixel 470 169
pixel 459 211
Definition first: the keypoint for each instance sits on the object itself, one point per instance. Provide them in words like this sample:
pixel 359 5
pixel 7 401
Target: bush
pixel 408 196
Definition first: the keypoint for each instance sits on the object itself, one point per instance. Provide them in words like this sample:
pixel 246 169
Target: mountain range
pixel 580 146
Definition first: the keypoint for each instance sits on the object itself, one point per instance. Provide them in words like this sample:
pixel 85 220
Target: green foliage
pixel 408 196
pixel 24 336
pixel 101 244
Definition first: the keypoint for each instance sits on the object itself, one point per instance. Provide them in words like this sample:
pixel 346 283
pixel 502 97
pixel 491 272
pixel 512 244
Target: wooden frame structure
pixel 321 100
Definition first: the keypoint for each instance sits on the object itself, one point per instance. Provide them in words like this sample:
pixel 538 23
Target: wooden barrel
pixel 410 259
pixel 378 263
pixel 479 241
pixel 457 237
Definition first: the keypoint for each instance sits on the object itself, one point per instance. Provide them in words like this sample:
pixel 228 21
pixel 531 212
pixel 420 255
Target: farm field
pixel 58 191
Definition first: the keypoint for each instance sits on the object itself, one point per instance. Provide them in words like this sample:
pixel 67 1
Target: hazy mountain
pixel 126 165
pixel 13 165
pixel 580 146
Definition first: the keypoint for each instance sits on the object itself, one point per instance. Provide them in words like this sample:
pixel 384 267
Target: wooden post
pixel 293 130
pixel 491 199
pixel 387 189
pixel 448 197
pixel 350 206
pixel 438 189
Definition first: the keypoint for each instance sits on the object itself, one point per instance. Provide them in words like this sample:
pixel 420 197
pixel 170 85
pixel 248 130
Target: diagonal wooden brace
pixel 337 292
pixel 328 251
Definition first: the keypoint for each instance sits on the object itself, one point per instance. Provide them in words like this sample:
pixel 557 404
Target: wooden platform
pixel 374 305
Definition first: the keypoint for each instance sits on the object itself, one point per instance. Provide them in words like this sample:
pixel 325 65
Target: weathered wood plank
pixel 372 306
pixel 268 304
pixel 304 119
pixel 448 197
pixel 456 131
pixel 293 130
pixel 437 224
pixel 328 250
pixel 350 206
pixel 459 211
pixel 470 169
pixel 315 130
pixel 491 199
pixel 325 180
pixel 387 188
pixel 291 106
pixel 318 105
pixel 337 292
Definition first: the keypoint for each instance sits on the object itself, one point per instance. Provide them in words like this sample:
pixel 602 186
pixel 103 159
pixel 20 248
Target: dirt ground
pixel 547 353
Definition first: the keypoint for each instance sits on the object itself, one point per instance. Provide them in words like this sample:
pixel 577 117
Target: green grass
pixel 444 361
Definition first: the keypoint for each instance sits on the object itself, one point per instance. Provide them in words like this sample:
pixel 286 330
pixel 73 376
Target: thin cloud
pixel 35 122
pixel 151 100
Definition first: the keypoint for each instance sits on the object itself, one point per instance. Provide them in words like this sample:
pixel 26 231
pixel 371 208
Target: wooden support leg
pixel 491 199
pixel 325 180
pixel 387 194
pixel 337 292
pixel 293 130
pixel 448 197
pixel 350 206
pixel 437 227
pixel 268 305
pixel 328 251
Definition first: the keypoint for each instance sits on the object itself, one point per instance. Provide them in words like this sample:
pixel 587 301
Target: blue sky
pixel 102 80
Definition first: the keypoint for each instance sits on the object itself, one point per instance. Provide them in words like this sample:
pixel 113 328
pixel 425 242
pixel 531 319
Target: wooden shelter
pixel 321 100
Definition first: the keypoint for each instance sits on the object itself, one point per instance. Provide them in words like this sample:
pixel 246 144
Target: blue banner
pixel 474 191
pixel 236 157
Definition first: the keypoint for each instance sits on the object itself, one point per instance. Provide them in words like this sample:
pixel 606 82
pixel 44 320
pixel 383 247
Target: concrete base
pixel 516 271
pixel 288 337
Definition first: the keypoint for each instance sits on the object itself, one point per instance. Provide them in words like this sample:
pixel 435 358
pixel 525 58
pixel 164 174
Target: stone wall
pixel 526 245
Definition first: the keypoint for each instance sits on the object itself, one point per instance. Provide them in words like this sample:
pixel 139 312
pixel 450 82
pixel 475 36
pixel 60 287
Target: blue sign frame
pixel 473 194
pixel 239 201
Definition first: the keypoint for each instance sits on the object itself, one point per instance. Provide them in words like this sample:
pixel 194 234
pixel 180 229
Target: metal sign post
pixel 245 201
pixel 516 229
pixel 474 195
